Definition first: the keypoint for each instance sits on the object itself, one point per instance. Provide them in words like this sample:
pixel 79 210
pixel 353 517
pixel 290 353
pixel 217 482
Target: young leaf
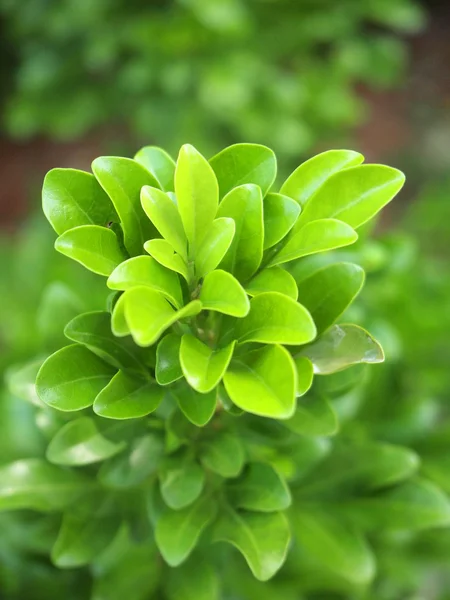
pixel 214 246
pixel 202 366
pixel 71 198
pixel 96 248
pixel 331 542
pixel 274 279
pixel 315 236
pixel 244 163
pixel 168 367
pixel 122 179
pixel 132 467
pixel 340 347
pixel 164 215
pixel 182 485
pixel 276 319
pixel 159 164
pixel 263 382
pixel 177 532
pixel 223 293
pixel 146 271
pixel 163 252
pixel 35 484
pixel 262 538
pixel 197 194
pixel 305 374
pixel 312 174
pixel 119 325
pixel 329 291
pixel 260 488
pixel 127 397
pixel 223 454
pixel 79 442
pixel 194 580
pixel 71 378
pixel 314 416
pixel 93 330
pixel 197 408
pixel 149 314
pixel 280 214
pixel 353 195
pixel 244 205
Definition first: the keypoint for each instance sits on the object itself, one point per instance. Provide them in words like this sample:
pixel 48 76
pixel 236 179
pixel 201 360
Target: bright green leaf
pixel 71 378
pixel 214 246
pixel 262 538
pixel 223 293
pixel 119 325
pixel 197 408
pixel 146 271
pixel 263 382
pixel 280 214
pixel 274 279
pixel 245 206
pixel 194 580
pixel 223 454
pixel 127 397
pixel 197 194
pixel 96 248
pixel 71 198
pixel 202 366
pixel 244 163
pixel 260 488
pixel 276 319
pixel 160 164
pixel 305 374
pixel 122 179
pixel 163 252
pixel 181 485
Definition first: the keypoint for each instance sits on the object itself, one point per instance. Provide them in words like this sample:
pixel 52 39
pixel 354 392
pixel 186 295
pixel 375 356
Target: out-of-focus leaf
pixel 182 484
pixel 223 454
pixel 197 408
pixel 260 488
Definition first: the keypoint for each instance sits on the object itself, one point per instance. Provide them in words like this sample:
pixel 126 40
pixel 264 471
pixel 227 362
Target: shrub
pixel 211 71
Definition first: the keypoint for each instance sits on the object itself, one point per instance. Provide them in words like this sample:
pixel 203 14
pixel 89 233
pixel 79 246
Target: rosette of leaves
pixel 175 416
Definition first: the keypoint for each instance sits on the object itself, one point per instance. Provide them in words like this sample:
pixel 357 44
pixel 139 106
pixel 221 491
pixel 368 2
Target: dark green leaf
pixel 181 485
pixel 197 408
pixel 194 580
pixel 168 367
pixel 260 488
pixel 223 454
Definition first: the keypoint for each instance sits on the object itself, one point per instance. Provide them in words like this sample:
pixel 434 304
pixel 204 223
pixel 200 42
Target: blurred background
pixel 81 78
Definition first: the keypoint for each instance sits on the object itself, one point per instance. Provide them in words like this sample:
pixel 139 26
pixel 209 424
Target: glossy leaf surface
pixel 164 253
pixel 223 293
pixel 280 214
pixel 274 279
pixel 260 488
pixel 159 164
pixel 214 246
pixel 168 367
pixel 164 215
pixel 202 366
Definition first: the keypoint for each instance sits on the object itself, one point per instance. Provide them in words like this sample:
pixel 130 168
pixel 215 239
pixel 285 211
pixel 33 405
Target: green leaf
pixel 353 195
pixel 82 537
pixel 260 488
pixel 149 314
pixel 263 382
pixel 71 378
pixel 122 179
pixel 197 194
pixel 316 236
pixel 37 485
pixel 163 252
pixel 164 215
pixel 312 174
pixel 168 367
pixel 223 454
pixel 262 538
pixel 280 214
pixel 244 205
pixel 334 544
pixel 202 366
pixel 20 381
pixel 342 346
pixel 274 279
pixel 305 374
pixel 314 417
pixel 93 330
pixel 160 164
pixel 329 291
pixel 276 319
pixel 71 198
pixel 182 484
pixel 214 246
pixel 197 408
pixel 79 442
pixel 244 163
pixel 96 248
pixel 223 293
pixel 146 271
pixel 177 532
pixel 127 397
pixel 137 463
pixel 119 325
pixel 412 506
pixel 194 580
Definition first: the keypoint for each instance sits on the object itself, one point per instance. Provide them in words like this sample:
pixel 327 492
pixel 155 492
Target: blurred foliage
pixel 279 72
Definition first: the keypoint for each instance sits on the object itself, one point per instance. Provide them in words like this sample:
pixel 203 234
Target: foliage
pixel 211 71
pixel 171 461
